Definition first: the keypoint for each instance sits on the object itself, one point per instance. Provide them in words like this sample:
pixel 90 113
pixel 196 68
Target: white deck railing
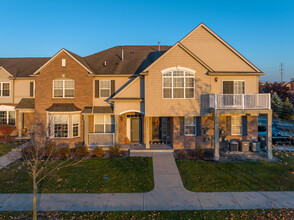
pixel 240 101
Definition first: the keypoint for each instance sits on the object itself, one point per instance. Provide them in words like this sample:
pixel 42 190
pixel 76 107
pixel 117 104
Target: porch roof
pixel 97 109
pixel 26 103
pixel 63 107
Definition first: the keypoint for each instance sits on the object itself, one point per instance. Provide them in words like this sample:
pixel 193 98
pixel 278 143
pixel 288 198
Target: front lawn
pixel 120 175
pixel 208 176
pixel 213 214
pixel 7 147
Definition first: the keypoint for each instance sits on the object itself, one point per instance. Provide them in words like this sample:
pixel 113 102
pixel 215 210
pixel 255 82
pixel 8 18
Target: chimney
pixel 122 54
pixel 158 46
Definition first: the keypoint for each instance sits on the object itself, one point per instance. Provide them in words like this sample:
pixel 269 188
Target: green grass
pixel 222 214
pixel 7 147
pixel 125 175
pixel 204 176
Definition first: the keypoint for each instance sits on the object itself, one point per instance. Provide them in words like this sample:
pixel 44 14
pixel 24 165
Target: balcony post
pixel 216 136
pixel 269 135
pixel 215 101
pixel 243 101
pixel 269 101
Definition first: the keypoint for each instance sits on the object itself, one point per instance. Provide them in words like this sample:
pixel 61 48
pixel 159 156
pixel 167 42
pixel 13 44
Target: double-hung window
pixel 178 85
pixel 190 126
pixel 236 125
pixel 5 89
pixel 104 123
pixel 7 117
pixel 63 88
pixel 75 125
pixel 234 87
pixel 105 86
pixel 60 126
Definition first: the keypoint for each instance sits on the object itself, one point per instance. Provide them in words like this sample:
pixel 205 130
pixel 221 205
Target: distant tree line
pixel 282 100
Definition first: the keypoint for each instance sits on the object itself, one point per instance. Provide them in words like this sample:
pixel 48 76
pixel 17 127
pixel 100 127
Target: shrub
pixel 6 130
pixel 62 152
pixel 98 152
pixel 80 151
pixel 115 150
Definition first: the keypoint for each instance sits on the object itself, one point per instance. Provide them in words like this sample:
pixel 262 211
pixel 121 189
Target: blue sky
pixel 262 31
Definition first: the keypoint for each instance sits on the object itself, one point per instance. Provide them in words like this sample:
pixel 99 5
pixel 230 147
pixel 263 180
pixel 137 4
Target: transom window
pixel 178 85
pixel 234 87
pixel 190 126
pixel 7 117
pixel 104 123
pixel 105 88
pixel 4 89
pixel 236 125
pixel 63 88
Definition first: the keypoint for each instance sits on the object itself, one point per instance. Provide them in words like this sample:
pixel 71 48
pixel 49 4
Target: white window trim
pixel 190 126
pixel 234 85
pixel 7 116
pixel 100 88
pixel 241 126
pixel 79 125
pixel 104 127
pixel 172 82
pixel 63 88
pixel 1 92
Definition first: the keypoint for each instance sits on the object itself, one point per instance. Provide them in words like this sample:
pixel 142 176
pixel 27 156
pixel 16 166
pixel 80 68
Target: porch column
pixel 216 136
pixel 20 123
pixel 147 132
pixel 116 129
pixel 269 135
pixel 86 130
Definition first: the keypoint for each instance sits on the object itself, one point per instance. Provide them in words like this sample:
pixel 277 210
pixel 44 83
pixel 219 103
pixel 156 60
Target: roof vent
pixel 122 54
pixel 158 46
pixel 104 63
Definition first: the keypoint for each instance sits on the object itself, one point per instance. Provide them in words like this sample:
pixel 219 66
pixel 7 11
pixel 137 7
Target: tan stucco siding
pixel 156 105
pixel 251 83
pixel 121 107
pixel 214 53
pixel 132 91
pixel 4 78
pixel 22 89
pixel 119 83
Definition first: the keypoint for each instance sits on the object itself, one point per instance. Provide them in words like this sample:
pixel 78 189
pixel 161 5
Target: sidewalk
pixel 168 194
pixel 12 156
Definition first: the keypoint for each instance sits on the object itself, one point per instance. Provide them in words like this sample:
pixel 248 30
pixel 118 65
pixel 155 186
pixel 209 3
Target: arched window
pixel 178 84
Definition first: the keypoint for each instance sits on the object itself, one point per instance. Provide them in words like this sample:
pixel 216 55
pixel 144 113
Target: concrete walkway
pixel 168 194
pixel 12 156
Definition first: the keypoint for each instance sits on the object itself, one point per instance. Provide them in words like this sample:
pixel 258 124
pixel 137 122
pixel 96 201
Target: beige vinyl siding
pixel 214 53
pixel 4 78
pixel 155 105
pixel 22 89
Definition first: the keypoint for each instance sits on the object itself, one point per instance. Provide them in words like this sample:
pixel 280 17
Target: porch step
pixel 151 150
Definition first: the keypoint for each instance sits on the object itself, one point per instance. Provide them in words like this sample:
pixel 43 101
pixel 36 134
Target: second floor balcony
pixel 240 101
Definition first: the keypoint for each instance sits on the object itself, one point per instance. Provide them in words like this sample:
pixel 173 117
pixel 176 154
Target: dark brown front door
pixel 156 128
pixel 136 128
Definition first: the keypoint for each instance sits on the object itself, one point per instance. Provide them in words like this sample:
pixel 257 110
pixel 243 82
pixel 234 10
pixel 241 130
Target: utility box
pixel 234 146
pixel 255 146
pixel 244 147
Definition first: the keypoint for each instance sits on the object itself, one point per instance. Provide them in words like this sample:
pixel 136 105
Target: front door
pixel 136 129
pixel 156 128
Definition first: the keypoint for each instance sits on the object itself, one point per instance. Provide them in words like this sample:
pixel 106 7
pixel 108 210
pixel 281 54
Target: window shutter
pixel 112 87
pixel 182 126
pixel 228 122
pixel 198 126
pixel 96 88
pixel 244 126
pixel 31 89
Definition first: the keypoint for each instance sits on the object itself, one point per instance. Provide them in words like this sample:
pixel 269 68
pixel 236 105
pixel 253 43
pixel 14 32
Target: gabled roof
pixel 22 67
pixel 136 59
pixel 77 58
